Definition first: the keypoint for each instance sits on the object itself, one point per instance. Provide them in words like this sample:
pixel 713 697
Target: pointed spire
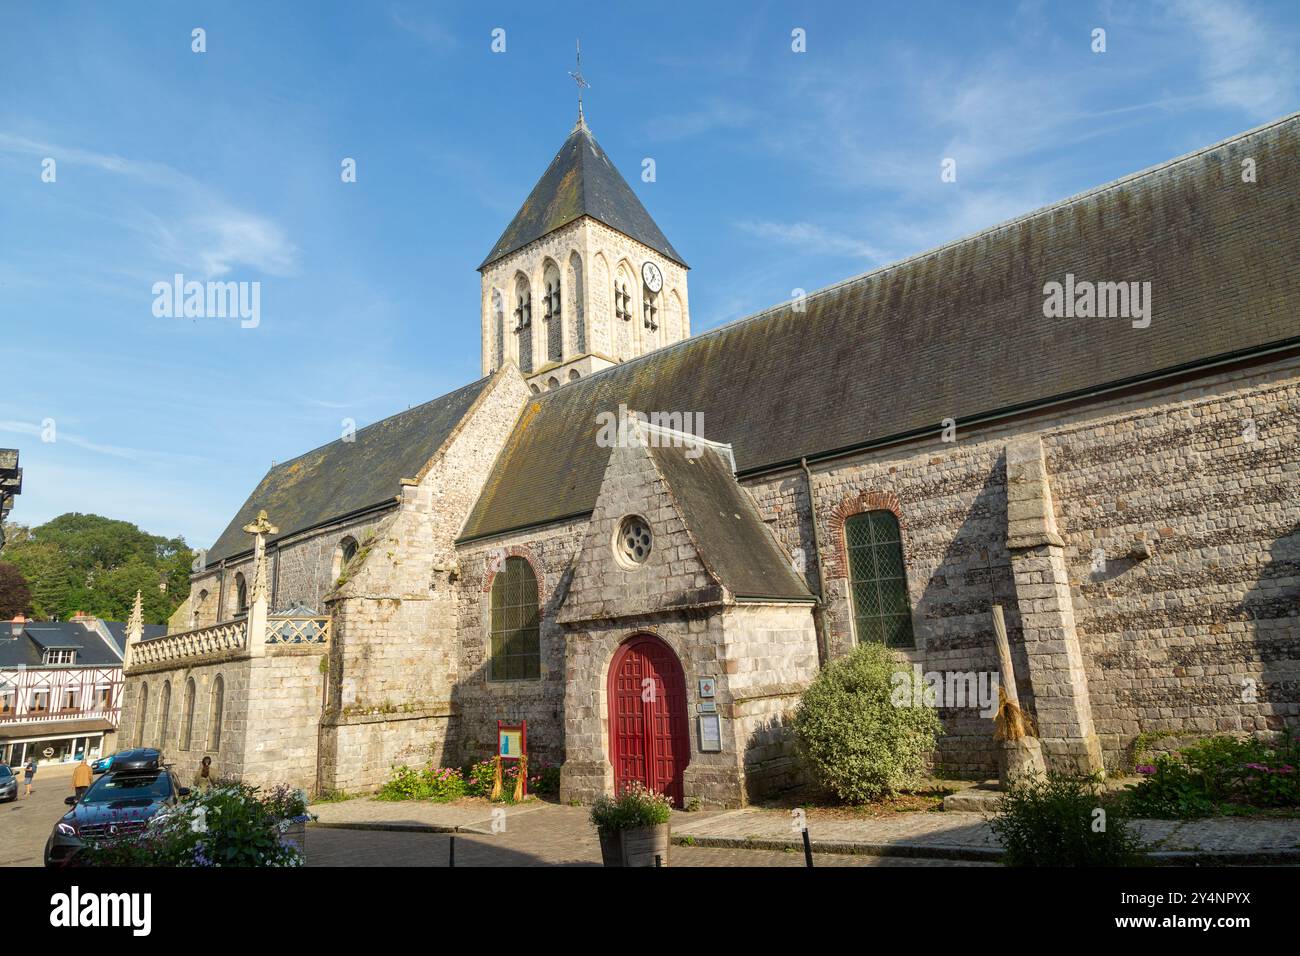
pixel 135 625
pixel 576 73
pixel 134 630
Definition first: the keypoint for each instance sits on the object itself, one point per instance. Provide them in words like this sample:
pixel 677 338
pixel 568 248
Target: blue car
pixel 119 804
pixel 8 784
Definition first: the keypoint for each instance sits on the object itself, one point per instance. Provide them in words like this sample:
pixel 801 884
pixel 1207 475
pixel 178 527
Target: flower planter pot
pixel 293 832
pixel 636 847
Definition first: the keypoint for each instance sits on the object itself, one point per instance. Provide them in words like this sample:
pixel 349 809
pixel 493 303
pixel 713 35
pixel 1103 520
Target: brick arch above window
pixel 495 561
pixel 837 562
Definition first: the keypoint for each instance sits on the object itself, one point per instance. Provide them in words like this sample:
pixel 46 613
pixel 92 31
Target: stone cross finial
pixel 262 526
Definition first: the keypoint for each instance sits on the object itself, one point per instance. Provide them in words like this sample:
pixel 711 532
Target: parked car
pixel 8 784
pixel 135 755
pixel 120 803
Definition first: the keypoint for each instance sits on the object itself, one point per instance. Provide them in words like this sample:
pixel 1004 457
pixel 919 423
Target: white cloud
pixel 713 116
pixel 1246 65
pixel 811 237
pixel 189 227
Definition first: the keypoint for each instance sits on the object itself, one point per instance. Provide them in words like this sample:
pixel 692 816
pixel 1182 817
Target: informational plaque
pixel 710 733
pixel 510 741
pixel 708 686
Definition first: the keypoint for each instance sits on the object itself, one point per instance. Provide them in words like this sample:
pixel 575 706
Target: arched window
pixel 650 308
pixel 187 725
pixel 573 375
pixel 554 320
pixel 878 579
pixel 516 640
pixel 241 594
pixel 524 323
pixel 164 709
pixel 622 301
pixel 214 713
pixel 143 719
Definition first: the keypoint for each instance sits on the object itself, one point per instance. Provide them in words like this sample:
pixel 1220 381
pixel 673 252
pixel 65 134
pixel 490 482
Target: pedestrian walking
pixel 81 779
pixel 29 772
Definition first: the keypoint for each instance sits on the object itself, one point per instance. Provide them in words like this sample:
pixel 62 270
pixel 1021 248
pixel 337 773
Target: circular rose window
pixel 632 545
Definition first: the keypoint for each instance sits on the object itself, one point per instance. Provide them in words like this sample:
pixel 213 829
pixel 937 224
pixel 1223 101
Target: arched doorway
pixel 648 736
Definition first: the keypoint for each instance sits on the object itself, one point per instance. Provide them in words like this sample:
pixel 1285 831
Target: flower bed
pixel 228 825
pixel 1220 776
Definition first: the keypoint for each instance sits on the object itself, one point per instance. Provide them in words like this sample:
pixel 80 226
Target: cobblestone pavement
pixel 545 840
pixel 547 833
pixel 25 824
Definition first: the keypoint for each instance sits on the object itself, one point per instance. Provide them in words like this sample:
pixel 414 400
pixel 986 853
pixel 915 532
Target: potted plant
pixel 289 808
pixel 633 827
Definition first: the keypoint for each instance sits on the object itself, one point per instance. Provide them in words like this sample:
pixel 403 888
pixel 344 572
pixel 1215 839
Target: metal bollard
pixel 451 851
pixel 807 849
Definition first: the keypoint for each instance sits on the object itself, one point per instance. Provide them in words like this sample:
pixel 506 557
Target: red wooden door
pixel 648 735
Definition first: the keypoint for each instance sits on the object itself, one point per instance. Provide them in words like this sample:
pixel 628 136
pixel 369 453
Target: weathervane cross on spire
pixel 582 83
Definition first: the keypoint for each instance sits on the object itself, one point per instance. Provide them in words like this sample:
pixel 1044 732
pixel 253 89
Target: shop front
pixel 55 742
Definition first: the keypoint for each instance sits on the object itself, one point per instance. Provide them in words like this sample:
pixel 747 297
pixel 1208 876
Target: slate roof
pixel 955 332
pixel 28 649
pixel 342 478
pixel 726 527
pixel 581 181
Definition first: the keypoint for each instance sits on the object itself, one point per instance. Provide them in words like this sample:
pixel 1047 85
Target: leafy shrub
pixel 1063 820
pixel 478 779
pixel 1220 775
pixel 544 780
pixel 439 784
pixel 636 806
pixel 228 825
pixel 857 742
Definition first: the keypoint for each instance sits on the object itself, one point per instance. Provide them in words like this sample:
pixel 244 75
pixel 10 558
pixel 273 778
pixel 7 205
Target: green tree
pixel 47 573
pixel 15 597
pixel 86 562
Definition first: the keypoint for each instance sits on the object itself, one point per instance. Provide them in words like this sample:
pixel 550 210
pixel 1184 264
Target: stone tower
pixel 582 278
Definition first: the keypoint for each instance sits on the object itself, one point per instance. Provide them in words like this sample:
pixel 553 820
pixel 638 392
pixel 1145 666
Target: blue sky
pixel 775 170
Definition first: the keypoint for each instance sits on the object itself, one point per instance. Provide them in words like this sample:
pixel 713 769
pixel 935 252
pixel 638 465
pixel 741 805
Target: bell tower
pixel 582 278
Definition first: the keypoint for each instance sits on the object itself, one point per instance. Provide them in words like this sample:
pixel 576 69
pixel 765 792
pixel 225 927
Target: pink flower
pixel 1145 768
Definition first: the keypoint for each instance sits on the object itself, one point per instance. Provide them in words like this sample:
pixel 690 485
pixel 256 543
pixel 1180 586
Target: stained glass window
pixel 516 638
pixel 878 579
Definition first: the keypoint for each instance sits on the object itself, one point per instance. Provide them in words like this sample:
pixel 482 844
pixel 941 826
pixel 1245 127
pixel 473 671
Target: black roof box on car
pixel 141 758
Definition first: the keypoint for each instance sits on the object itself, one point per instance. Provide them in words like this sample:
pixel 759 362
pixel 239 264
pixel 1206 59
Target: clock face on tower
pixel 654 279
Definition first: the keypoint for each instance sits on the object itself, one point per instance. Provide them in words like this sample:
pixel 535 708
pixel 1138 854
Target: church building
pixel 646 543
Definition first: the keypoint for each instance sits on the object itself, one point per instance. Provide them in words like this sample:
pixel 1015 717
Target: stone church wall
pixel 769 657
pixel 480 701
pixel 394 658
pixel 228 759
pixel 1167 641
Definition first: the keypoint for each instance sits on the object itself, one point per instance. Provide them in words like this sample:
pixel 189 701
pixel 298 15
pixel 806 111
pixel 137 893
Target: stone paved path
pixel 962 835
pixel 331 846
pixel 540 833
